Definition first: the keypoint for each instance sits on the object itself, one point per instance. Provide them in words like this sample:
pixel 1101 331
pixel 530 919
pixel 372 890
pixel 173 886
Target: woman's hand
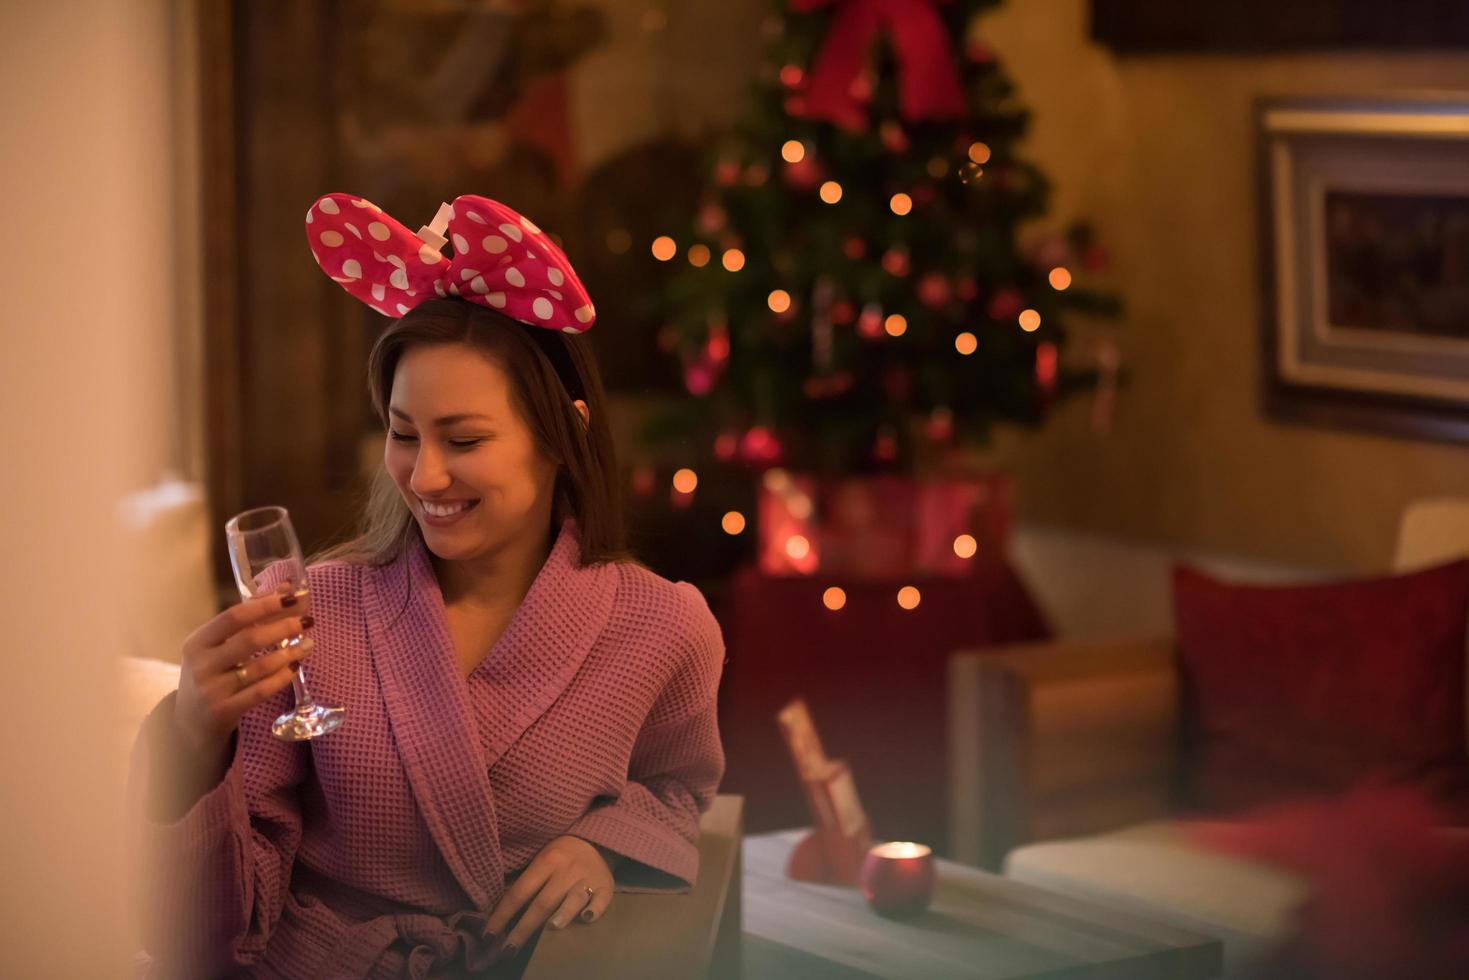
pixel 555 884
pixel 221 677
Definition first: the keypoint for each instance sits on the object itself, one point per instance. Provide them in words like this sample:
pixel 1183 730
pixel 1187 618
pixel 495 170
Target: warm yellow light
pixel 734 259
pixel 733 523
pixel 779 301
pixel 979 153
pixel 831 192
pixel 834 598
pixel 1030 320
pixel 908 597
pixel 901 204
pixel 966 343
pixel 965 546
pixel 797 547
pixel 685 480
pixel 896 325
pixel 1060 278
pixel 664 248
pixel 794 151
pixel 699 255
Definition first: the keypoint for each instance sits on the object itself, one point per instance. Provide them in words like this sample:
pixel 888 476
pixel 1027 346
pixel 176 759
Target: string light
pixel 966 343
pixel 1060 278
pixel 797 547
pixel 834 598
pixel 793 151
pixel 979 153
pixel 965 546
pixel 733 523
pixel 685 480
pixel 779 301
pixel 901 204
pixel 831 192
pixel 619 241
pixel 734 259
pixel 896 325
pixel 699 255
pixel 664 248
pixel 1030 321
pixel 909 597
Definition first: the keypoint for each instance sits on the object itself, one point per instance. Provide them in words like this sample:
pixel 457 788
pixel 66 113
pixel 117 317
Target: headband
pixel 500 260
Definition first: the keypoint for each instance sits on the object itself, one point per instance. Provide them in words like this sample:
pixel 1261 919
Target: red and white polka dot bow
pixel 500 260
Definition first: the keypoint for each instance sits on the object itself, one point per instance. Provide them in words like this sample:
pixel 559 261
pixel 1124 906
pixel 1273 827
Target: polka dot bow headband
pixel 500 260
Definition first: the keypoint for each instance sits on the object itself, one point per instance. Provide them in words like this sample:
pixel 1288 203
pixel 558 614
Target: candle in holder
pixel 897 878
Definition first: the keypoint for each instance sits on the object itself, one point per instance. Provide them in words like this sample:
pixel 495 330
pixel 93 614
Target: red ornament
pixel 791 76
pixel 698 378
pixel 760 446
pixel 940 424
pixel 643 479
pixel 1045 368
pixel 967 288
pixel 869 324
pixel 862 87
pixel 1052 252
pixel 717 347
pixel 893 137
pixel 933 290
pixel 885 446
pixel 1005 305
pixel 727 173
pixel 842 312
pixel 711 218
pixel 727 445
pixel 805 173
pixel 854 248
pixel 895 261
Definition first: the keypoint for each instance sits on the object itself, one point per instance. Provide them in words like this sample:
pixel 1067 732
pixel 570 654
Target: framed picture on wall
pixel 1364 234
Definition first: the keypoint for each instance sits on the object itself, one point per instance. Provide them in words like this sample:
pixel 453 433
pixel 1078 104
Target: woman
pixel 530 716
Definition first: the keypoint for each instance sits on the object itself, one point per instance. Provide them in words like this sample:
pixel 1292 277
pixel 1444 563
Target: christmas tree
pixel 862 286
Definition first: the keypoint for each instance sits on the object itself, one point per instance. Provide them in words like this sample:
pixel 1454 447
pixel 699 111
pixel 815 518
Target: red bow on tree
pixel 928 81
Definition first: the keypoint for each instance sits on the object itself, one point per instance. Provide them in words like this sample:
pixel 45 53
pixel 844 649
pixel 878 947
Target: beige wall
pixel 1159 152
pixel 86 389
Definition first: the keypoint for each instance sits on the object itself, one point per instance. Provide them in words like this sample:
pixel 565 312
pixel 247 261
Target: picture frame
pixel 1364 217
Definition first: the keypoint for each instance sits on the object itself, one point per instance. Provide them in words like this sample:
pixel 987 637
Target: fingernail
pixel 558 922
pixel 306 644
pixel 586 915
pixel 510 949
pixel 307 622
pixel 287 601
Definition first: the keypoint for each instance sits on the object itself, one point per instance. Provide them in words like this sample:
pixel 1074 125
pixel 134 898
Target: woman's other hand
pixel 222 678
pixel 567 881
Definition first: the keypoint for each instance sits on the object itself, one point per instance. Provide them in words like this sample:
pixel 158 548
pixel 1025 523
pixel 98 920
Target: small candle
pixel 897 878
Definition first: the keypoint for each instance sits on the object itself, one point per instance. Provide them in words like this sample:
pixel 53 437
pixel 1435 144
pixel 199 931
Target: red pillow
pixel 1296 691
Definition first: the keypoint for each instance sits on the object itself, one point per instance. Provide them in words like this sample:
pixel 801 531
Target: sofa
pixel 1065 762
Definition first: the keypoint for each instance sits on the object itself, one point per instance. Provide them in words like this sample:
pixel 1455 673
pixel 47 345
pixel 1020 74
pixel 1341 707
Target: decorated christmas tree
pixel 869 279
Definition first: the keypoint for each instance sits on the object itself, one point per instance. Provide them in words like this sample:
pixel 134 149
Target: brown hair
pixel 548 369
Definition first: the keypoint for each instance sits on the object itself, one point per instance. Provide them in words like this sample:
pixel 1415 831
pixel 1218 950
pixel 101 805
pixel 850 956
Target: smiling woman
pixel 532 713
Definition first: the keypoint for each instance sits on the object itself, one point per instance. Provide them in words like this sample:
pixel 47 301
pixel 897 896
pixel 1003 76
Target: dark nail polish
pixel 307 622
pixel 287 601
pixel 586 915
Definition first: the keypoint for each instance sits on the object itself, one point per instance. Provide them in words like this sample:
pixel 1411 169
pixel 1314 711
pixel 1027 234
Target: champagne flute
pixel 265 555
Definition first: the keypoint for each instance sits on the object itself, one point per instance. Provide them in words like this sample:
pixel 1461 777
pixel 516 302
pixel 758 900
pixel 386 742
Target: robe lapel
pixel 432 723
pixel 446 752
pixel 545 643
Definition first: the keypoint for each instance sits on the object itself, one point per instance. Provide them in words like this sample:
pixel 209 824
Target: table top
pixel 979 925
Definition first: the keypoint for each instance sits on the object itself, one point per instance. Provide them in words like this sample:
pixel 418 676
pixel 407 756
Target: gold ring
pixel 240 676
pixel 590 890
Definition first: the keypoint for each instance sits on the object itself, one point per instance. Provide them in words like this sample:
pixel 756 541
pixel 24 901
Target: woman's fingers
pixel 261 636
pixel 521 891
pixel 596 906
pixel 247 613
pixel 260 691
pixel 541 908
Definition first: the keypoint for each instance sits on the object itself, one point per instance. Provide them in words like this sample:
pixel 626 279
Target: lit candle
pixel 897 878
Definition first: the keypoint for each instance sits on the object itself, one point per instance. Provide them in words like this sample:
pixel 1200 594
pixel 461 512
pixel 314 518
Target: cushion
pixel 1308 690
pixel 1158 870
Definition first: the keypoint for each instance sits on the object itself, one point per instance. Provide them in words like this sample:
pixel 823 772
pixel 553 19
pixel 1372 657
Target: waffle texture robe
pixel 378 849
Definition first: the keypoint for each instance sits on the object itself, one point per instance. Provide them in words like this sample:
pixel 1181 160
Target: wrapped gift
pixel 882 526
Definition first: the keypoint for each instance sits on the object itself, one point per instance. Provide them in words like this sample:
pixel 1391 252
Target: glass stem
pixel 303 696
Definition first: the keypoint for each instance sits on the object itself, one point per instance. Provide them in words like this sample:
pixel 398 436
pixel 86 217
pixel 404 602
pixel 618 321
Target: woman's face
pixel 462 457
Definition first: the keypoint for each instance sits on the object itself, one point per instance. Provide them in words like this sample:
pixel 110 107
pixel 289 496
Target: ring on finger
pixel 242 676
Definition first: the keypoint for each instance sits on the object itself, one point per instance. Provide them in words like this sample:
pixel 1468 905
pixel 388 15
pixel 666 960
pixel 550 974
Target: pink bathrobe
pixel 378 850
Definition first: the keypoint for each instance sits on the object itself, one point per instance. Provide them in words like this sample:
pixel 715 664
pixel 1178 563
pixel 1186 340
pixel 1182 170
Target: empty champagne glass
pixel 265 555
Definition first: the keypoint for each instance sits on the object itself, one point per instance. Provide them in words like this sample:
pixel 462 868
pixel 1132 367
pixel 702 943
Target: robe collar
pixel 445 753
